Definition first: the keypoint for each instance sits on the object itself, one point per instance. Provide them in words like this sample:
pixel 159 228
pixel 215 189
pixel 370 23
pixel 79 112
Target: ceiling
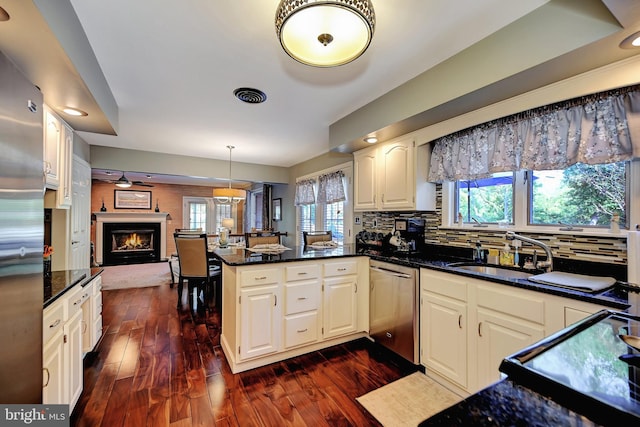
pixel 171 68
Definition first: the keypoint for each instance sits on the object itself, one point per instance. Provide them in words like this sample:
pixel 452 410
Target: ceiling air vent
pixel 250 95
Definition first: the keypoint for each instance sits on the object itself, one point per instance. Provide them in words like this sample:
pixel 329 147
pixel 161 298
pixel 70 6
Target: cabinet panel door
pixel 340 306
pixel 73 356
pixel 52 142
pixel 80 216
pixel 260 321
pixel 444 337
pixel 53 382
pixel 397 183
pixel 364 168
pixel 498 337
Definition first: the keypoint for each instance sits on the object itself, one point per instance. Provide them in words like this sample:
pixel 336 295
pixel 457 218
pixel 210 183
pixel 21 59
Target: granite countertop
pixel 239 256
pixel 61 281
pixel 507 403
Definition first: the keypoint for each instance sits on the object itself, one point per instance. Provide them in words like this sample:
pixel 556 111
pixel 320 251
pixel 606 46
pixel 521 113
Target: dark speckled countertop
pixel 61 281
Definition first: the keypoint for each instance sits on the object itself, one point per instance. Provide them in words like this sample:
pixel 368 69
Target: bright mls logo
pixel 34 415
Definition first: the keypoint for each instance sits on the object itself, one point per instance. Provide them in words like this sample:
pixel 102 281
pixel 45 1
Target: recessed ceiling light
pixel 74 112
pixel 371 139
pixel 631 42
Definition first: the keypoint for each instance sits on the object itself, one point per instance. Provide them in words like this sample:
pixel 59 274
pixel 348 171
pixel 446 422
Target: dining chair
pixel 261 237
pixel 310 237
pixel 195 265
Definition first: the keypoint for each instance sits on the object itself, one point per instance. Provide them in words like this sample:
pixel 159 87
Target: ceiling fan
pixel 124 182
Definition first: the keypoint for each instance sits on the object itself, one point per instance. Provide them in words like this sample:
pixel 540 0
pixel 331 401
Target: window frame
pixel 212 212
pixel 348 237
pixel 456 202
pixel 521 206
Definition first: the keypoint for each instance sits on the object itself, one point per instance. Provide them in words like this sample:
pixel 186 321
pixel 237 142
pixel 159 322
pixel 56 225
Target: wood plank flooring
pixel 161 366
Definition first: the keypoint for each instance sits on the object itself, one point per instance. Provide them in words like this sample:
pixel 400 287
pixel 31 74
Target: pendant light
pixel 229 195
pixel 325 33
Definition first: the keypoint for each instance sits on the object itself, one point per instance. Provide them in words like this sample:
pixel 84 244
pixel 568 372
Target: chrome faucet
pixel 547 265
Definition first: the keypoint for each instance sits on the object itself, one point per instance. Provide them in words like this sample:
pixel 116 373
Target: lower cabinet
pixel 468 326
pixel 71 327
pixel 277 311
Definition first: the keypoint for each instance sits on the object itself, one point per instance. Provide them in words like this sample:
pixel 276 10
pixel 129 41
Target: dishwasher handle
pixel 394 273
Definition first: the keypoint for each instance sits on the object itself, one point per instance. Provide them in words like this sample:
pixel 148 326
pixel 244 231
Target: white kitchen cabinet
pixel 392 177
pixel 80 251
pixel 365 182
pixel 276 311
pixel 443 331
pixel 260 320
pixel 302 304
pixel 54 378
pixel 65 166
pixel 499 336
pixel 63 328
pixel 92 314
pixel 52 144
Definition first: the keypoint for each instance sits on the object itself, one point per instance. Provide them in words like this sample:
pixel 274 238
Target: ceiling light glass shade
pixel 123 184
pixel 228 195
pixel 324 33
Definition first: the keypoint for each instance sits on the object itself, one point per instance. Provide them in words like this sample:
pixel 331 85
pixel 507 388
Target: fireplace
pixel 130 237
pixel 130 243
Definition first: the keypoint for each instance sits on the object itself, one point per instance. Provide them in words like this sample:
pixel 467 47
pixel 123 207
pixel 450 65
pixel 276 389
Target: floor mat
pixel 408 401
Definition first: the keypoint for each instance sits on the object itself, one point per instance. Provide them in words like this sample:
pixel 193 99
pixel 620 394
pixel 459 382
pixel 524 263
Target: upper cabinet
pixel 392 176
pixel 58 158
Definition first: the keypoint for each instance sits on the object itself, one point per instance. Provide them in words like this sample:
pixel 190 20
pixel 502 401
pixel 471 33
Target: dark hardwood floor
pixel 161 366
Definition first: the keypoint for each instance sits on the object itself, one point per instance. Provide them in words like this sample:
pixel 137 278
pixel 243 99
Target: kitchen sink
pixel 493 270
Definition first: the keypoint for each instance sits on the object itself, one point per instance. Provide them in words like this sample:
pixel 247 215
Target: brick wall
pixel 169 200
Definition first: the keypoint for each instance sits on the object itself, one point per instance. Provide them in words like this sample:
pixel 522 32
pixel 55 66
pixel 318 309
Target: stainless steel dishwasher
pixel 393 308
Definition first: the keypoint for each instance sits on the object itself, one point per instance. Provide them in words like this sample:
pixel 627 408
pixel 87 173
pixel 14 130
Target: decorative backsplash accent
pixel 604 249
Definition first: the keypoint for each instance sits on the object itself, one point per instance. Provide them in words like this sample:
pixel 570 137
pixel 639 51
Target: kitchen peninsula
pixel 279 305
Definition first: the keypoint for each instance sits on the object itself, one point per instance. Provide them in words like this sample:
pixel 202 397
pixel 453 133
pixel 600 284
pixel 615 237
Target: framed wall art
pixel 277 209
pixel 132 199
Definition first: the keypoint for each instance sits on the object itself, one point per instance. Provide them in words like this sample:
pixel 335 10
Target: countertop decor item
pixel 324 33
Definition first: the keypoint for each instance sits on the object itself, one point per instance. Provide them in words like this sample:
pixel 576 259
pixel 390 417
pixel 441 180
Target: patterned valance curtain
pixel 305 192
pixel 331 188
pixel 595 129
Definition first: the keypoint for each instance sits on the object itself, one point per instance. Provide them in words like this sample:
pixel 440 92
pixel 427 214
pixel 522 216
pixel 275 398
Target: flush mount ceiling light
pixel 229 195
pixel 4 15
pixel 324 33
pixel 371 139
pixel 631 42
pixel 74 112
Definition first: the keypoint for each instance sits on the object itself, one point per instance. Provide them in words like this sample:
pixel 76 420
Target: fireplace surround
pixel 130 237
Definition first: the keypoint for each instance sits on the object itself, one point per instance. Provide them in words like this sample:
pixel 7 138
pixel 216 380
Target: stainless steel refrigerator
pixel 21 237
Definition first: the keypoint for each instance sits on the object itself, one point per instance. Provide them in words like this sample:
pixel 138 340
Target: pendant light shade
pixel 229 195
pixel 324 33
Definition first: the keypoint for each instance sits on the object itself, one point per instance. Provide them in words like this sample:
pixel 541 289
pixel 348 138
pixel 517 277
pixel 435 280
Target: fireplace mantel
pixel 127 217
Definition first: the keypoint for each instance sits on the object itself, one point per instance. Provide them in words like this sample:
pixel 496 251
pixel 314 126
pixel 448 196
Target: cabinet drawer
pixel 96 306
pixel 74 300
pixel 52 320
pixel 340 268
pixel 525 305
pixel 303 296
pixel 301 272
pixel 444 284
pixel 301 329
pixel 259 277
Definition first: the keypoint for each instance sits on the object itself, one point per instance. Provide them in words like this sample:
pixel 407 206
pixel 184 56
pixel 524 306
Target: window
pixel 584 195
pixel 335 216
pixel 202 212
pixel 488 200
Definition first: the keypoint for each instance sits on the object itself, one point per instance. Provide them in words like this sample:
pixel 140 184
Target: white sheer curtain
pixel 596 129
pixel 331 188
pixel 305 192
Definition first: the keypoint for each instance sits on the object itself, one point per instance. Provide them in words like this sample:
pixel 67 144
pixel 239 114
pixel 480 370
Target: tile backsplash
pixel 604 249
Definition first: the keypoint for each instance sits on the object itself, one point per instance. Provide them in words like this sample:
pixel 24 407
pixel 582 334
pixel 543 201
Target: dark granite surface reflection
pixel 507 404
pixel 61 281
pixel 235 256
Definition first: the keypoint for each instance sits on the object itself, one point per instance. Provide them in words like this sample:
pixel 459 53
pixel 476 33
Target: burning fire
pixel 132 242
